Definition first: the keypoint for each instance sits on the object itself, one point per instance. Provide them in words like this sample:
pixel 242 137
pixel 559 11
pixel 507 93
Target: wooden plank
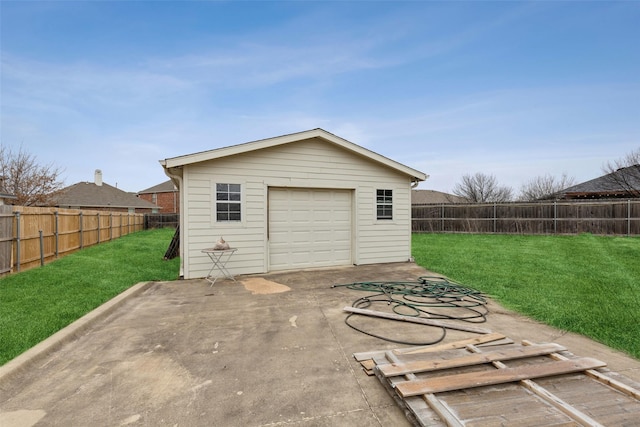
pixel 434 403
pixel 493 336
pixel 366 355
pixel 418 412
pixel 419 320
pixel 599 376
pixel 394 369
pixel 500 376
pixel 549 397
pixel 559 403
pixel 367 366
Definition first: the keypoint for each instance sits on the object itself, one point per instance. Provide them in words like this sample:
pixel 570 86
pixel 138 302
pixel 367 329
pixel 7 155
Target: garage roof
pixel 286 139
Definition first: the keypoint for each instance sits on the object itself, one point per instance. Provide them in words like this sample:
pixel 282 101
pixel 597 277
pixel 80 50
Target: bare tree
pixel 544 187
pixel 21 175
pixel 625 172
pixel 482 188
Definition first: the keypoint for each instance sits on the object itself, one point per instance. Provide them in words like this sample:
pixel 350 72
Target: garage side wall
pixel 312 163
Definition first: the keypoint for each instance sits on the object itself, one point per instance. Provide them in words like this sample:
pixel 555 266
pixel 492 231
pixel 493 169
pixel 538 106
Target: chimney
pixel 98 177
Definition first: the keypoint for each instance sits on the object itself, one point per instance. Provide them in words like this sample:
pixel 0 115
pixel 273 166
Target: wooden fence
pixel 161 220
pixel 30 237
pixel 611 217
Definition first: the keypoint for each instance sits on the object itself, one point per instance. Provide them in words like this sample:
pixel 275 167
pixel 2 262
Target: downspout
pixel 176 176
pixel 416 181
pixel 414 184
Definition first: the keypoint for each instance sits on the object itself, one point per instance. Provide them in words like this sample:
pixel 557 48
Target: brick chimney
pixel 98 177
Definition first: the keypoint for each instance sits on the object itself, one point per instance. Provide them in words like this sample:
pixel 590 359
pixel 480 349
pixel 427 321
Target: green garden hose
pixel 433 297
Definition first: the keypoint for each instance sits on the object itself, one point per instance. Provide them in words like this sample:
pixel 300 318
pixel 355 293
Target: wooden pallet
pixel 460 384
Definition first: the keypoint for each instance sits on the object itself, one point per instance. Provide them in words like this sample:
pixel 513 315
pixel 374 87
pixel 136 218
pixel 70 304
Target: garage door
pixel 309 228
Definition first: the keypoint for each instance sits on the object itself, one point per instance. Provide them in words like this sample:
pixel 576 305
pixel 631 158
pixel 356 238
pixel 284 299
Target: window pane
pixel 232 209
pixel 384 204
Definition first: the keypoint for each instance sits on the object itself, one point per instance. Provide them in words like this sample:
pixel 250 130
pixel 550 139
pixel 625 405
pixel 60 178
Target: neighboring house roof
pixel 166 187
pixel 6 197
pixel 89 194
pixel 286 139
pixel 609 185
pixel 423 197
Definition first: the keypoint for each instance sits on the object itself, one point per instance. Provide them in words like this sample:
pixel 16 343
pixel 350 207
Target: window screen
pixel 228 202
pixel 384 204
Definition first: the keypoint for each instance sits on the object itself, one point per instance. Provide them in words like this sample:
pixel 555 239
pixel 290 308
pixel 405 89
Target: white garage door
pixel 309 228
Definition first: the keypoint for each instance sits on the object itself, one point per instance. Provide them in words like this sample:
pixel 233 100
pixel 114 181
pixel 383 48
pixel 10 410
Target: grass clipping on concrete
pixel 37 303
pixel 585 284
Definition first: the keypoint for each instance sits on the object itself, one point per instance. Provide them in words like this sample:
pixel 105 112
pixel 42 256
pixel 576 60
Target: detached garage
pixel 305 200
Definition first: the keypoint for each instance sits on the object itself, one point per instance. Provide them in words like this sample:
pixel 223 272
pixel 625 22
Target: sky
pixel 515 89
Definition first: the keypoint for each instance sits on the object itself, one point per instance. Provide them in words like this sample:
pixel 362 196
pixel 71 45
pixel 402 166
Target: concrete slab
pixel 263 351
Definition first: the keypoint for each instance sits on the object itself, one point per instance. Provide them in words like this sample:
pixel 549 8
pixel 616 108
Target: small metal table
pixel 219 258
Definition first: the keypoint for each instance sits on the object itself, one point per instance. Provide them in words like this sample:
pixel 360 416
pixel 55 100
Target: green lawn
pixel 585 284
pixel 36 303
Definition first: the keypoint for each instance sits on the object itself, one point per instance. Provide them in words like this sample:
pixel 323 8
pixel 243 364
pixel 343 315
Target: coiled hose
pixel 433 297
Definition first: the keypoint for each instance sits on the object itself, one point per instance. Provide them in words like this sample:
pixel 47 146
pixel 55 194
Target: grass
pixel 585 284
pixel 36 303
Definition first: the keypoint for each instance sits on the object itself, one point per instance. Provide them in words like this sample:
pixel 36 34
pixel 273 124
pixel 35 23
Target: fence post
pixel 555 217
pixel 17 241
pixel 494 217
pixel 110 225
pixel 442 218
pixel 628 217
pixel 41 248
pixel 81 236
pixel 98 215
pixel 56 232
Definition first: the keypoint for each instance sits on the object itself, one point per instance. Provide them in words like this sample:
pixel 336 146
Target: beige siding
pixel 304 164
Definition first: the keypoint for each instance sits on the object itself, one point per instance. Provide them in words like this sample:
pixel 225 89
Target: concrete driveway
pixel 264 351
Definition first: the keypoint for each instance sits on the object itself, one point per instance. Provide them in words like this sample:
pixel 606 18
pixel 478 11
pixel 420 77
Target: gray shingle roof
pixel 165 187
pixel 88 194
pixel 609 184
pixel 419 197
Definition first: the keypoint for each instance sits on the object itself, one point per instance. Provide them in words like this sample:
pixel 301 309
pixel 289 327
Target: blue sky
pixel 512 89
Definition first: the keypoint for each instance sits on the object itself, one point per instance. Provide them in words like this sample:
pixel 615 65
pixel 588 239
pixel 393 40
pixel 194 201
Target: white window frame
pixel 231 196
pixel 384 201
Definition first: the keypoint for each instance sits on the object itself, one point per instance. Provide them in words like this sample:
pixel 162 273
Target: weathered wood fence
pixel 30 237
pixel 611 217
pixel 161 220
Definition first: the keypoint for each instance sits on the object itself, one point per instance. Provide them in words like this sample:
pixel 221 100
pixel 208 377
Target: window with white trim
pixel 228 202
pixel 384 204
